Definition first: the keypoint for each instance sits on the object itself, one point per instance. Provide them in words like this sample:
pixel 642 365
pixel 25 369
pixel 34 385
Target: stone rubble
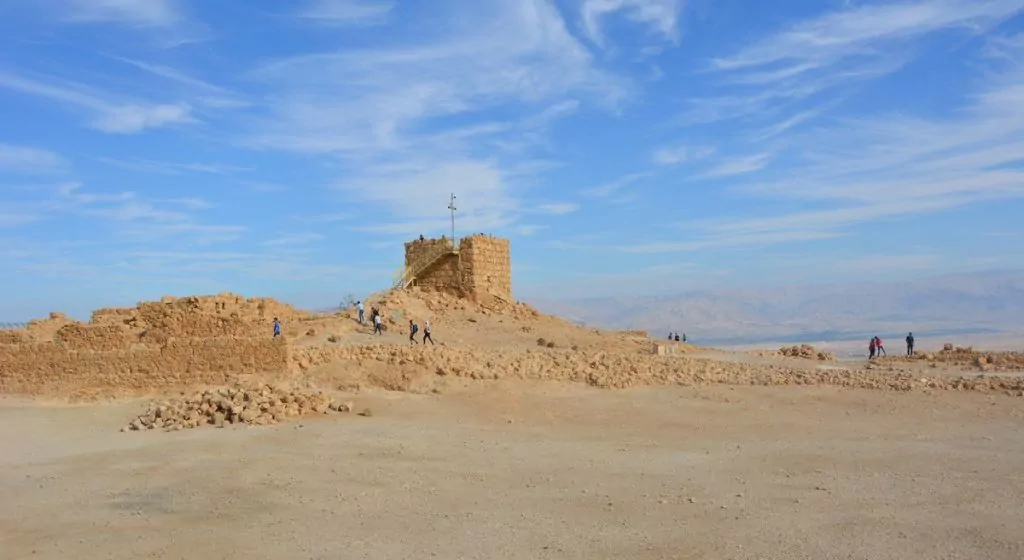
pixel 259 405
pixel 806 351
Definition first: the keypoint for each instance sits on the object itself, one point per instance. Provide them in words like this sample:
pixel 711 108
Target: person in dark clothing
pixel 910 344
pixel 677 337
pixel 426 333
pixel 413 329
pixel 277 328
pixel 670 336
pixel 871 349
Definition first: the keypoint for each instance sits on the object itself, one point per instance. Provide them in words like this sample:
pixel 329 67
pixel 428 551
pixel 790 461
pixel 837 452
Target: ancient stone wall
pixel 486 267
pixel 14 337
pixel 78 336
pixel 46 368
pixel 175 341
pixel 481 270
pixel 442 276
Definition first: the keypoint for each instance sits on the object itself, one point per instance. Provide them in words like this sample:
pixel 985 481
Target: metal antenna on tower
pixel 451 206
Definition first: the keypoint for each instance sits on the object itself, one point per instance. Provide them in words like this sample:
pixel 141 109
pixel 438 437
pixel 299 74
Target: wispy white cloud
pixel 869 29
pixel 726 240
pixel 676 154
pixel 139 218
pixel 197 233
pixel 327 218
pixel 416 193
pixel 263 186
pixel 883 167
pixel 730 167
pixel 163 23
pixel 304 238
pixel 201 92
pixel 136 12
pixel 527 230
pixel 406 118
pixel 346 12
pixel 558 208
pixel 106 114
pixel 831 54
pixel 172 168
pixel 659 16
pixel 127 119
pixel 10 220
pixel 26 159
pixel 361 101
pixel 616 187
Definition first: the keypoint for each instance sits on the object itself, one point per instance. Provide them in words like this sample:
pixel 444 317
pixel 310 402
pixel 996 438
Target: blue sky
pixel 287 149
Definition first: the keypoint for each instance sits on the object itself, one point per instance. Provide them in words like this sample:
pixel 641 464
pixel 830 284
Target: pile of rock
pixel 807 352
pixel 258 406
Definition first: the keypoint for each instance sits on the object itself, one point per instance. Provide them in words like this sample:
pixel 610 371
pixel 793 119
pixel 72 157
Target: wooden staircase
pixel 407 274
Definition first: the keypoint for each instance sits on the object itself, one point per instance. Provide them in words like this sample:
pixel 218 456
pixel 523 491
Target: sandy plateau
pixel 183 429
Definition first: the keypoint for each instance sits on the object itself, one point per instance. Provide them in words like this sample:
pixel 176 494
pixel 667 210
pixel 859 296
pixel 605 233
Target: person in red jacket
pixel 881 349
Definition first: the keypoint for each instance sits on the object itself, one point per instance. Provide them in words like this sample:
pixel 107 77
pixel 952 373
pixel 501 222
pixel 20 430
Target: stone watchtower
pixel 477 267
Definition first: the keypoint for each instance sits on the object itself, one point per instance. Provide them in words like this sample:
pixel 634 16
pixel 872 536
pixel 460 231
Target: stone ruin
pixel 479 267
pixel 200 340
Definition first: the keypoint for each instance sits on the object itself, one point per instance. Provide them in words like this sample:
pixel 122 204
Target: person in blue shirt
pixel 277 328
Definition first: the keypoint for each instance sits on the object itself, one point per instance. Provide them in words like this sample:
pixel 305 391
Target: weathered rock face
pixel 258 405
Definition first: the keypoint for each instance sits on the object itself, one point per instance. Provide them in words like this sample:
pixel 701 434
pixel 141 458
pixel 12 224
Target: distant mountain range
pixel 968 304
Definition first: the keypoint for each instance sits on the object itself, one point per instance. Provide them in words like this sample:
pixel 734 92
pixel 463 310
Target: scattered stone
pixel 542 342
pixel 366 412
pixel 261 405
pixel 807 352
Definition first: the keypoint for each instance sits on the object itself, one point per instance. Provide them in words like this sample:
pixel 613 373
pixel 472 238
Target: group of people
pixel 414 328
pixel 875 346
pixel 378 324
pixel 675 337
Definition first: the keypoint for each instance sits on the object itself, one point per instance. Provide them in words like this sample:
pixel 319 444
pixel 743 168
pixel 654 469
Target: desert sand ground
pixel 531 470
pixel 455 467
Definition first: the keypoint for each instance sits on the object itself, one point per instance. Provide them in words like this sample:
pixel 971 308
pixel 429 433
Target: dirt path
pixel 530 471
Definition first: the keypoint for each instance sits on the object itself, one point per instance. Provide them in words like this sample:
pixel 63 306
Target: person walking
pixel 378 328
pixel 881 349
pixel 871 349
pixel 426 333
pixel 359 306
pixel 413 329
pixel 277 328
pixel 677 337
pixel 910 344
